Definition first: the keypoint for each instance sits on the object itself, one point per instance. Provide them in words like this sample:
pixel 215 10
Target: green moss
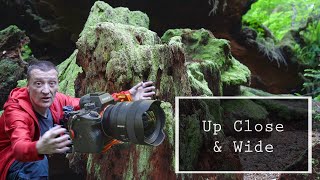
pixel 237 74
pixel 12 29
pixel 245 108
pixel 10 73
pixel 97 171
pixel 190 142
pixel 169 125
pixel 143 165
pixel 103 12
pixel 171 33
pixel 118 46
pixel 285 110
pixel 191 135
pixel 208 58
pixel 11 32
pixel 247 91
pixel 197 79
pixel 26 52
pixel 201 45
pixel 176 41
pixel 212 109
pixel 242 109
pixel 89 163
pixel 129 171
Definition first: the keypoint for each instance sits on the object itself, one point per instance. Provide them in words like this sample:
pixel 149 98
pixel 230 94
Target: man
pixel 27 131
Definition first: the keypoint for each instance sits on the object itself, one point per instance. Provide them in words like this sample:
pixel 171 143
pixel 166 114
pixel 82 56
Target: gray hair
pixel 41 65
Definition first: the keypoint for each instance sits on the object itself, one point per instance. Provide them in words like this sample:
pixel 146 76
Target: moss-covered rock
pixel 125 55
pixel 10 36
pixel 237 74
pixel 190 142
pixel 248 91
pixel 286 110
pixel 242 109
pixel 198 80
pixel 103 12
pixel 10 72
pixel 12 65
pixel 114 57
pixel 210 63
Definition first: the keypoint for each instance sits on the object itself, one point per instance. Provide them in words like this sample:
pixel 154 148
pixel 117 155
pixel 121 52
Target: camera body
pixel 84 125
pixel 101 122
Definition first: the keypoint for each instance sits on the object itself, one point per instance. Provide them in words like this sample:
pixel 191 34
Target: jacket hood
pixel 19 97
pixel 19 93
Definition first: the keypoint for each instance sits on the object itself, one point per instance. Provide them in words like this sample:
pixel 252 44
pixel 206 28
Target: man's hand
pixel 143 90
pixel 51 141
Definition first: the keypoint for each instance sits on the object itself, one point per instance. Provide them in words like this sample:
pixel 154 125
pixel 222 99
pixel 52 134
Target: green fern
pixel 309 53
pixel 312 82
pixel 280 15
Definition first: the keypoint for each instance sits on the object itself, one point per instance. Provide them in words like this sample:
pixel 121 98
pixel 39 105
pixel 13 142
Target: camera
pixel 102 122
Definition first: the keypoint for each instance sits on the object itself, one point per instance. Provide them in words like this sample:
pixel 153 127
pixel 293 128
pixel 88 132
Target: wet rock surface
pixel 12 65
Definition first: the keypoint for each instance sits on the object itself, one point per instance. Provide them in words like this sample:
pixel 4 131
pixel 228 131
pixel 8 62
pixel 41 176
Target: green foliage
pixel 308 54
pixel 26 52
pixel 22 83
pixel 9 73
pixel 317 117
pixel 280 15
pixel 312 82
pixel 299 21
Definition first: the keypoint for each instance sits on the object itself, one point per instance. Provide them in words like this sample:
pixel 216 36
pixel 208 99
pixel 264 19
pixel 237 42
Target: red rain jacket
pixel 19 127
pixel 20 130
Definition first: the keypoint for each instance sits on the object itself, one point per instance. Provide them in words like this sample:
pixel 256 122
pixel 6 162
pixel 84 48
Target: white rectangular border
pixel 177 98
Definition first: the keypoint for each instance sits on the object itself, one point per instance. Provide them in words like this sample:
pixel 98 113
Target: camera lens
pixel 139 122
pixel 149 123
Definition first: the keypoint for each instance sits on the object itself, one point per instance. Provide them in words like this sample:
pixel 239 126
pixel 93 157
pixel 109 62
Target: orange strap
pixel 123 97
pixel 110 144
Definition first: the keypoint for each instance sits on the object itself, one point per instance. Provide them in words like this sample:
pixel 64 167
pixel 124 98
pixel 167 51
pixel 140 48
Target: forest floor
pixel 315 163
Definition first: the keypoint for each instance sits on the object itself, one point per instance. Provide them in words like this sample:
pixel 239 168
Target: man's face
pixel 42 87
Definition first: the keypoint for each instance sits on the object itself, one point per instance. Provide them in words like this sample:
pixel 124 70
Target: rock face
pixel 114 57
pixel 12 66
pixel 212 70
pixel 115 54
pixel 273 66
pixel 54 26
